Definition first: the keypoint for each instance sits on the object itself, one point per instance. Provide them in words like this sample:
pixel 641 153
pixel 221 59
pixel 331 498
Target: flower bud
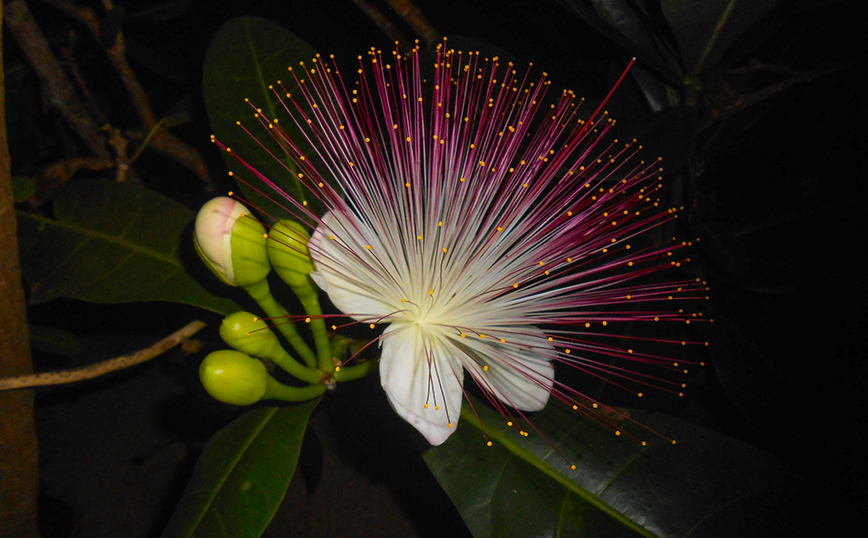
pixel 288 254
pixel 231 243
pixel 233 378
pixel 249 334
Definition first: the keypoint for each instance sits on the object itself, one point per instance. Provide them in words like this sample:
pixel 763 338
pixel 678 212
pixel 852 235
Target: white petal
pixel 340 274
pixel 519 373
pixel 413 376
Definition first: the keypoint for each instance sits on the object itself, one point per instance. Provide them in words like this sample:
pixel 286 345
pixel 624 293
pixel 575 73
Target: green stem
pixel 294 368
pixel 262 295
pixel 276 391
pixel 319 332
pixel 358 371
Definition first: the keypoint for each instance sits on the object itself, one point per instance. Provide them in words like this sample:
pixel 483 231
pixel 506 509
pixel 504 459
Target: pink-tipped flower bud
pixel 231 242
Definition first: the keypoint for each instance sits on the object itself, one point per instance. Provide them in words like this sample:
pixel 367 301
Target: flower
pixel 232 246
pixel 489 231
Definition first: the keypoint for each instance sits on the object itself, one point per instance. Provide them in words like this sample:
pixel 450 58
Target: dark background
pixel 777 195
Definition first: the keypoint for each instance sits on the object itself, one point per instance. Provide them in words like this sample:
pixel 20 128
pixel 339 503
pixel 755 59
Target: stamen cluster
pixel 489 230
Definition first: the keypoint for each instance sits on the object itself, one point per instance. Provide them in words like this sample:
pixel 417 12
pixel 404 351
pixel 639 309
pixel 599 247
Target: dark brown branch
pixel 384 23
pixel 162 140
pixel 56 87
pixel 417 21
pixel 85 92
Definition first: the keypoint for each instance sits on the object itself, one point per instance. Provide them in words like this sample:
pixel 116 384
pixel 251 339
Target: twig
pixel 93 107
pixel 53 175
pixel 384 23
pixel 55 84
pixel 111 365
pixel 417 21
pixel 162 140
pixel 739 102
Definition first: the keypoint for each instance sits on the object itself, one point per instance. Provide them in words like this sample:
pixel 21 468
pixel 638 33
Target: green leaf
pixel 246 56
pixel 706 30
pixel 111 243
pixel 242 475
pixel 523 486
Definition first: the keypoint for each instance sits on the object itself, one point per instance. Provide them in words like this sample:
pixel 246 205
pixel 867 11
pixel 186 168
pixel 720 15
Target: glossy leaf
pixel 706 30
pixel 242 475
pixel 523 486
pixel 111 243
pixel 246 56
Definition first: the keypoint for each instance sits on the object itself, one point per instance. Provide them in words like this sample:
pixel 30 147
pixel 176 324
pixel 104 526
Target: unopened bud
pixel 288 254
pixel 249 334
pixel 231 242
pixel 233 378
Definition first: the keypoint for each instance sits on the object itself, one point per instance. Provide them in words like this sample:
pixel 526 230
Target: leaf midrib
pixel 517 450
pixel 114 239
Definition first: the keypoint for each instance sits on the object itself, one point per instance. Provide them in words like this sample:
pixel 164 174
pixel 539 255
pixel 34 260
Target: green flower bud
pixel 249 334
pixel 234 378
pixel 231 242
pixel 288 254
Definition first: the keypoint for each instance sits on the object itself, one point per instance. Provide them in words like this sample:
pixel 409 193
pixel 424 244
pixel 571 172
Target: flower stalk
pixel 261 293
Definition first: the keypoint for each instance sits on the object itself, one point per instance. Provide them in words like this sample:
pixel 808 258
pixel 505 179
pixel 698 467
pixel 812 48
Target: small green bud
pixel 288 253
pixel 233 378
pixel 247 333
pixel 231 242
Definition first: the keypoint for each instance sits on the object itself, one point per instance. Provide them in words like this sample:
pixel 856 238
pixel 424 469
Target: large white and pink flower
pixel 488 230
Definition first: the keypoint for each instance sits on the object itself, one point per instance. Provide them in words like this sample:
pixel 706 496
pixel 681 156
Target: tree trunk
pixel 19 461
